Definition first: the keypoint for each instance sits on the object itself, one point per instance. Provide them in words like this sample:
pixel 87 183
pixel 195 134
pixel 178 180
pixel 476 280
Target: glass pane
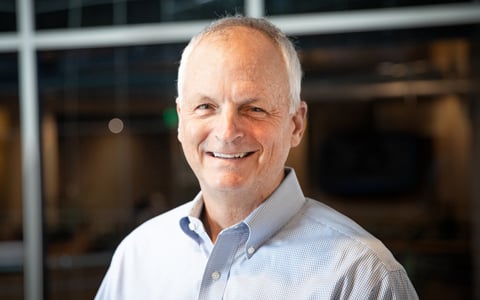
pixel 389 143
pixel 11 246
pixel 275 7
pixel 8 20
pixel 72 14
pixel 111 157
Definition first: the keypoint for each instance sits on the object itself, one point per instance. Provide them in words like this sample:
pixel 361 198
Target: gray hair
pixel 286 47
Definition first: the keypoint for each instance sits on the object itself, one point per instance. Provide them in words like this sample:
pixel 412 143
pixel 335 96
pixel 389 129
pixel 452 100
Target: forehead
pixel 235 62
pixel 242 48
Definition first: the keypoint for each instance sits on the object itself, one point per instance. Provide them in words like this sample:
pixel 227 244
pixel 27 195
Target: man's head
pixel 237 116
pixel 285 46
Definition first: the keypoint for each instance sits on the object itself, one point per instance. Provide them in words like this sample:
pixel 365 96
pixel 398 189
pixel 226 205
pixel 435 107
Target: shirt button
pixel 251 250
pixel 215 275
pixel 192 226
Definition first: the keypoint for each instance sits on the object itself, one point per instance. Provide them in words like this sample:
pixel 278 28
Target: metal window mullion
pixel 300 24
pixel 255 8
pixel 8 42
pixel 379 19
pixel 31 160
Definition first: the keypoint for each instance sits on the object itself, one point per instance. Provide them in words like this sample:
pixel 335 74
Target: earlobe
pixel 178 104
pixel 299 123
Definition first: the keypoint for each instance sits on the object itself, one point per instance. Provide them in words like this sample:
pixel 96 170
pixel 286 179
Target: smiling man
pixel 235 126
pixel 250 233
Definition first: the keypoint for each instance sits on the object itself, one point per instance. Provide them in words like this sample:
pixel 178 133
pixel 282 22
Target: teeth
pixel 223 155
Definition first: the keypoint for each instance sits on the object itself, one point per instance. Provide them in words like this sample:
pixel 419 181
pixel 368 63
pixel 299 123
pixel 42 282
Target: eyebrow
pixel 201 98
pixel 245 101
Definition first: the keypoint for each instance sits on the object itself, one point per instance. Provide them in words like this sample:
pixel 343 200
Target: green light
pixel 170 118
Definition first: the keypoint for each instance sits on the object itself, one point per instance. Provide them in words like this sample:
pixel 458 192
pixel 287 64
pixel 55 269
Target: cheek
pixel 281 141
pixel 274 142
pixel 184 136
pixel 192 133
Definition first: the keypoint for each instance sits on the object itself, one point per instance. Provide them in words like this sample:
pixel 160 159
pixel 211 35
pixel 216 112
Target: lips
pixel 230 155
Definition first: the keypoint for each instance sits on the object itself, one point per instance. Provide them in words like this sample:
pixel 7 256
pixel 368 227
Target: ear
pixel 299 119
pixel 179 114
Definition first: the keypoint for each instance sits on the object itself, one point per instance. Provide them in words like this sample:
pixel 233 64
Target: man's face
pixel 234 122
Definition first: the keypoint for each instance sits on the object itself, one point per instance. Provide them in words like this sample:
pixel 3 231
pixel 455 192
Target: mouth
pixel 230 155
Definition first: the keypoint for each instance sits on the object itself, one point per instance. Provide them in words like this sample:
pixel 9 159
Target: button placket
pixel 218 266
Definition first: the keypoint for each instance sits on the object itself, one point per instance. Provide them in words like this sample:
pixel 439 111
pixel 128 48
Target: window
pixel 274 7
pixel 110 156
pixel 73 14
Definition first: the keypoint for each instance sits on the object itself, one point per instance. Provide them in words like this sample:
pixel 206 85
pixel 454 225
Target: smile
pixel 230 155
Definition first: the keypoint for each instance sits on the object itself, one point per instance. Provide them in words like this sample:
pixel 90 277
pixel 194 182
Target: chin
pixel 228 186
pixel 229 183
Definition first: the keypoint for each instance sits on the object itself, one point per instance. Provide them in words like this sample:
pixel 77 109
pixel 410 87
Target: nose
pixel 228 126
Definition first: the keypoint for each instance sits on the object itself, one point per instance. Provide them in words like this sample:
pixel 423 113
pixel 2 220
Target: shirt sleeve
pixel 112 283
pixel 394 286
pixel 102 293
pixel 107 290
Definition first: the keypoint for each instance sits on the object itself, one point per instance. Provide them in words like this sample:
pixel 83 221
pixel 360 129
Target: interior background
pixel 88 145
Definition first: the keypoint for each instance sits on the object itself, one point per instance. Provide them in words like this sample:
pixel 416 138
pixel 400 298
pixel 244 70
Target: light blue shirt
pixel 290 247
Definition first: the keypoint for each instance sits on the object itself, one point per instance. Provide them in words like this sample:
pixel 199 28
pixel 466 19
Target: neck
pixel 226 211
pixel 223 209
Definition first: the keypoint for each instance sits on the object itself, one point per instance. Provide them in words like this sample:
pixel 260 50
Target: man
pixel 250 233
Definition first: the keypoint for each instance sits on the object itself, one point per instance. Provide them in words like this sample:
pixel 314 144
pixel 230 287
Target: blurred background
pixel 88 146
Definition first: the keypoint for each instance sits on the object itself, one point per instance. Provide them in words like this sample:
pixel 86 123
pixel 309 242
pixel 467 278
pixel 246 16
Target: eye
pixel 255 112
pixel 257 109
pixel 204 109
pixel 204 106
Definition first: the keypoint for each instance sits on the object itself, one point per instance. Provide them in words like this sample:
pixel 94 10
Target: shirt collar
pixel 191 224
pixel 264 221
pixel 275 212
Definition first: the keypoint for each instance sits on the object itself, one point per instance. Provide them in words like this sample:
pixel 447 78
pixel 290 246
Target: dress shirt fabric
pixel 290 247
